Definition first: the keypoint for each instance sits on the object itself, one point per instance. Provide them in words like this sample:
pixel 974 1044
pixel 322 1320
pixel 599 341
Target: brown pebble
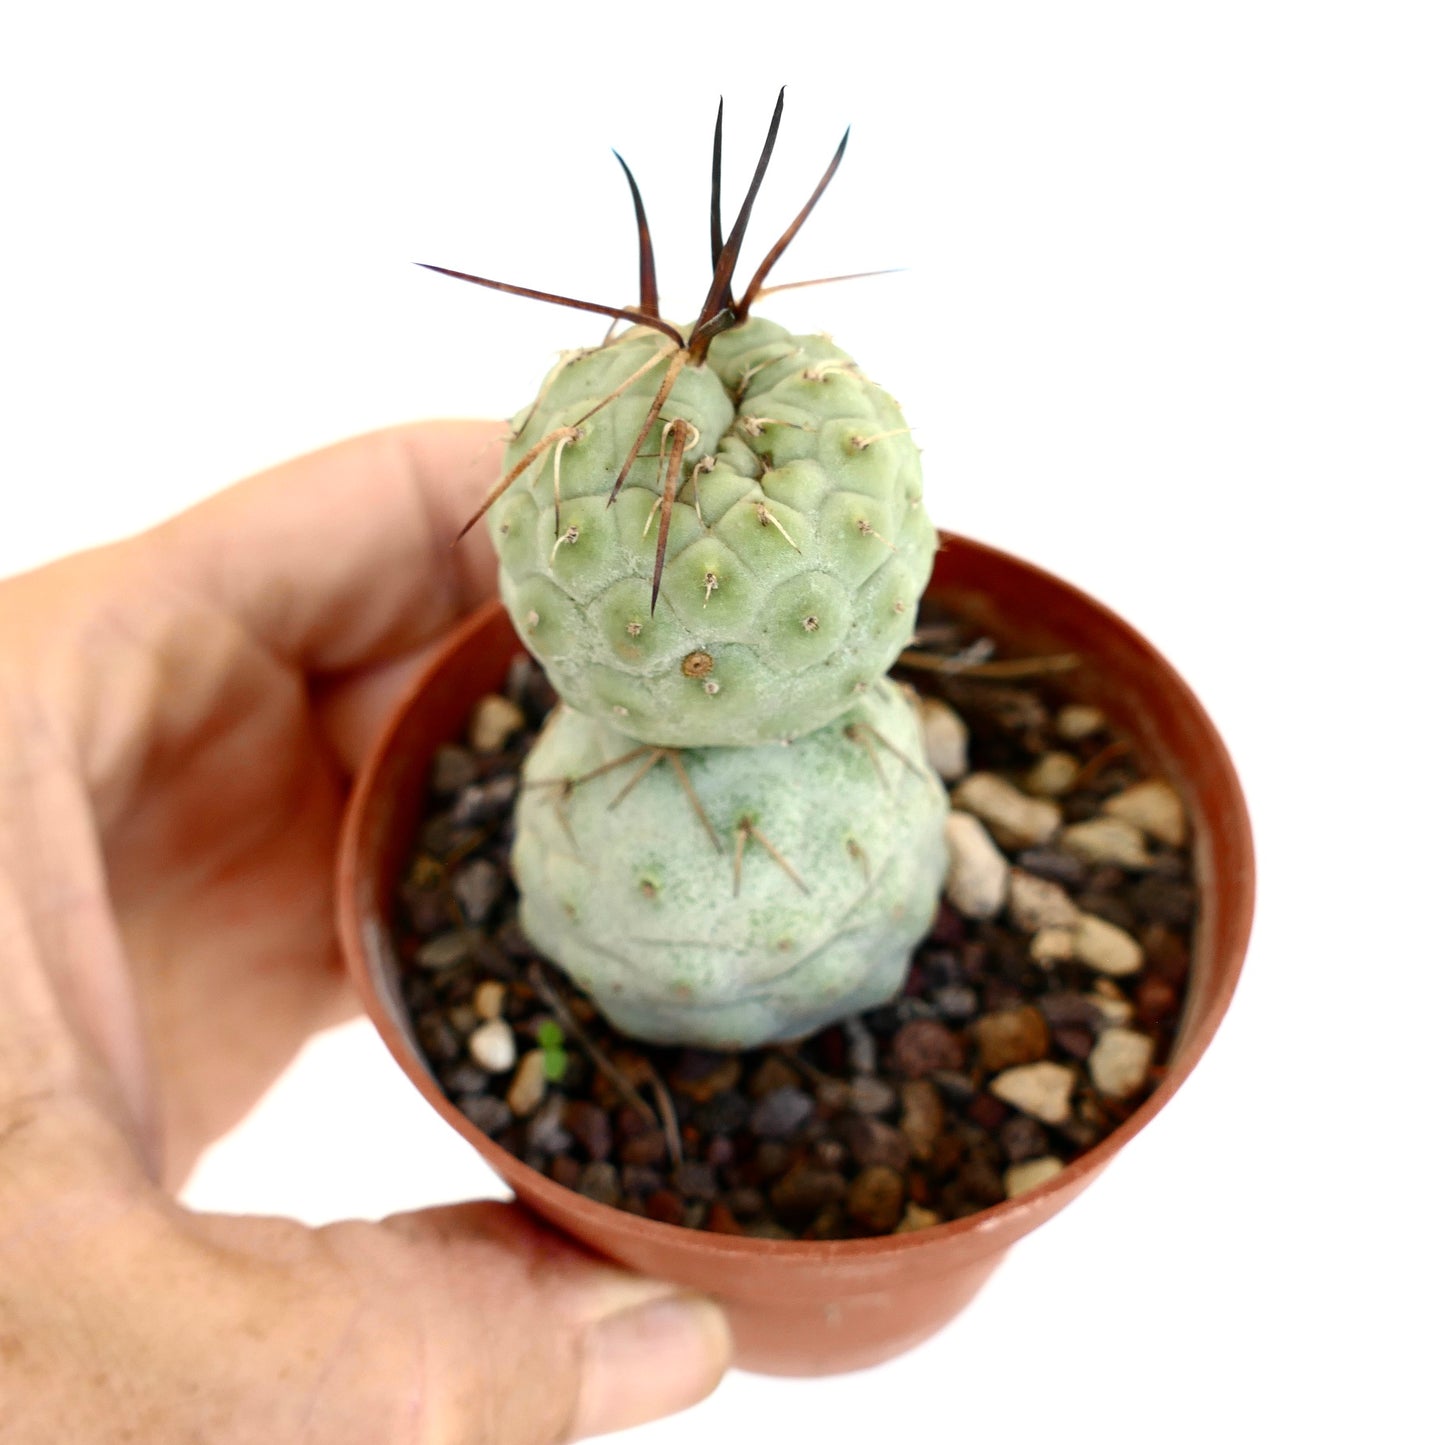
pixel 772 1074
pixel 987 1112
pixel 804 1190
pixel 721 1220
pixel 831 1223
pixel 1154 1000
pixel 923 1116
pixel 565 1170
pixel 724 1113
pixel 982 1182
pixel 695 1181
pixel 666 1207
pixel 771 1159
pixel 453 767
pixel 720 1152
pixel 1071 1007
pixel 699 1074
pixel 1164 900
pixel 924 1046
pixel 746 1203
pixel 641 1180
pixel 1075 1040
pixel 1023 1138
pixel 635 1068
pixel 768 1229
pixel 545 1131
pixel 956 1086
pixel 487 1112
pixel 872 1142
pixel 649 1147
pixel 948 1153
pixel 599 1181
pixel 1015 1036
pixel 1167 952
pixel 589 1125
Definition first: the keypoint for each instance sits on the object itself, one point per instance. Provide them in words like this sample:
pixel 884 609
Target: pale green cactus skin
pixel 797 611
pixel 637 904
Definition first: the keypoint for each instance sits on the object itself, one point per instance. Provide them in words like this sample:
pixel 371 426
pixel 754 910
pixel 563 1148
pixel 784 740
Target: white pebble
pixel 977 872
pixel 495 719
pixel 1053 775
pixel 1020 1178
pixel 1119 1062
pixel 945 739
pixel 1077 720
pixel 1106 947
pixel 1014 818
pixel 1035 903
pixel 1107 840
pixel 493 1047
pixel 1041 1090
pixel 1155 807
pixel 529 1084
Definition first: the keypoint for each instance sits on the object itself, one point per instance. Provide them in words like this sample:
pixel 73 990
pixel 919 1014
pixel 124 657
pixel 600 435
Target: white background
pixel 1172 327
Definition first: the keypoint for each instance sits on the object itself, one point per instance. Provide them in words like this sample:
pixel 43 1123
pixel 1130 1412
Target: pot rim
pixel 1008 1219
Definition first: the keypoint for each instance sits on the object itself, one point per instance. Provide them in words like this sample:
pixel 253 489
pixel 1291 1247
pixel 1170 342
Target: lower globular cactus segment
pixel 732 897
pixel 797 545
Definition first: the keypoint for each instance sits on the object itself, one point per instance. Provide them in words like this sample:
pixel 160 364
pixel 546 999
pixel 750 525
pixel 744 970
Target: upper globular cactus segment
pixel 796 552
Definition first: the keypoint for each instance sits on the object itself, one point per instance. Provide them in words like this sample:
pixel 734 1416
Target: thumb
pixel 517 1335
pixel 124 1316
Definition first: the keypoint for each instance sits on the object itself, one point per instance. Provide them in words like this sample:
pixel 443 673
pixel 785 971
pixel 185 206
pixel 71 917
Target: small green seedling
pixel 550 1040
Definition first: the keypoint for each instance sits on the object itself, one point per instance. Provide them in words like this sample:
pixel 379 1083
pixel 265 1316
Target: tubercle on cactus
pixel 720 312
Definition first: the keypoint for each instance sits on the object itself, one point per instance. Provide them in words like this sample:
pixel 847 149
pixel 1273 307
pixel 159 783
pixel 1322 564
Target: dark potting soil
pixel 1002 1059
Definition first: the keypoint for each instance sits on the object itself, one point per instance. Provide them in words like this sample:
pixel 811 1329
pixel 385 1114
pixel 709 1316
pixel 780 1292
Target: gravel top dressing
pixel 1037 1014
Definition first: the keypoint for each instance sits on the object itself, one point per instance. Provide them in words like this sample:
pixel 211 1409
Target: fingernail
pixel 648 1361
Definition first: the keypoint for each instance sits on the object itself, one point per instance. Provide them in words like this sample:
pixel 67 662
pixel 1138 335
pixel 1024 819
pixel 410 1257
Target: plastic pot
pixel 817 1307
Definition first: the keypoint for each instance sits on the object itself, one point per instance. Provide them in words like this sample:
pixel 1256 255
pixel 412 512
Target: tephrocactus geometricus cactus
pixel 712 537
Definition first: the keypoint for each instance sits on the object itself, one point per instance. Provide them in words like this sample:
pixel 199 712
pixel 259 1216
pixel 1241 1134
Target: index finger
pixel 347 557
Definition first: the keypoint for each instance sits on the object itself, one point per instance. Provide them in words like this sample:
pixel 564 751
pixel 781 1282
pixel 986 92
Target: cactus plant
pixel 712 538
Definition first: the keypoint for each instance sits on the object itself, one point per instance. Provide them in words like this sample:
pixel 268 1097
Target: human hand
pixel 179 716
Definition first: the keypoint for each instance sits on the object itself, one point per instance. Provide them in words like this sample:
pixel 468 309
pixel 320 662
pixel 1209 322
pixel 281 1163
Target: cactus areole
pixel 712 538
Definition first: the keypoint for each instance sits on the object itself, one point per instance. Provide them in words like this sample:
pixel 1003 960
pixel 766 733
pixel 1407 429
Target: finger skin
pixel 178 717
pixel 124 1318
pixel 164 700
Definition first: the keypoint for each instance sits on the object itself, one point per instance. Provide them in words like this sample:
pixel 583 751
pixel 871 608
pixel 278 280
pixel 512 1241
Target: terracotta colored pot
pixel 818 1307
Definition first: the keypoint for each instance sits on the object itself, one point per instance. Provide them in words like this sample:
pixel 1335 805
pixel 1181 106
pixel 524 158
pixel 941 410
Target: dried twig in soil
pixel 575 1031
pixel 1005 670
